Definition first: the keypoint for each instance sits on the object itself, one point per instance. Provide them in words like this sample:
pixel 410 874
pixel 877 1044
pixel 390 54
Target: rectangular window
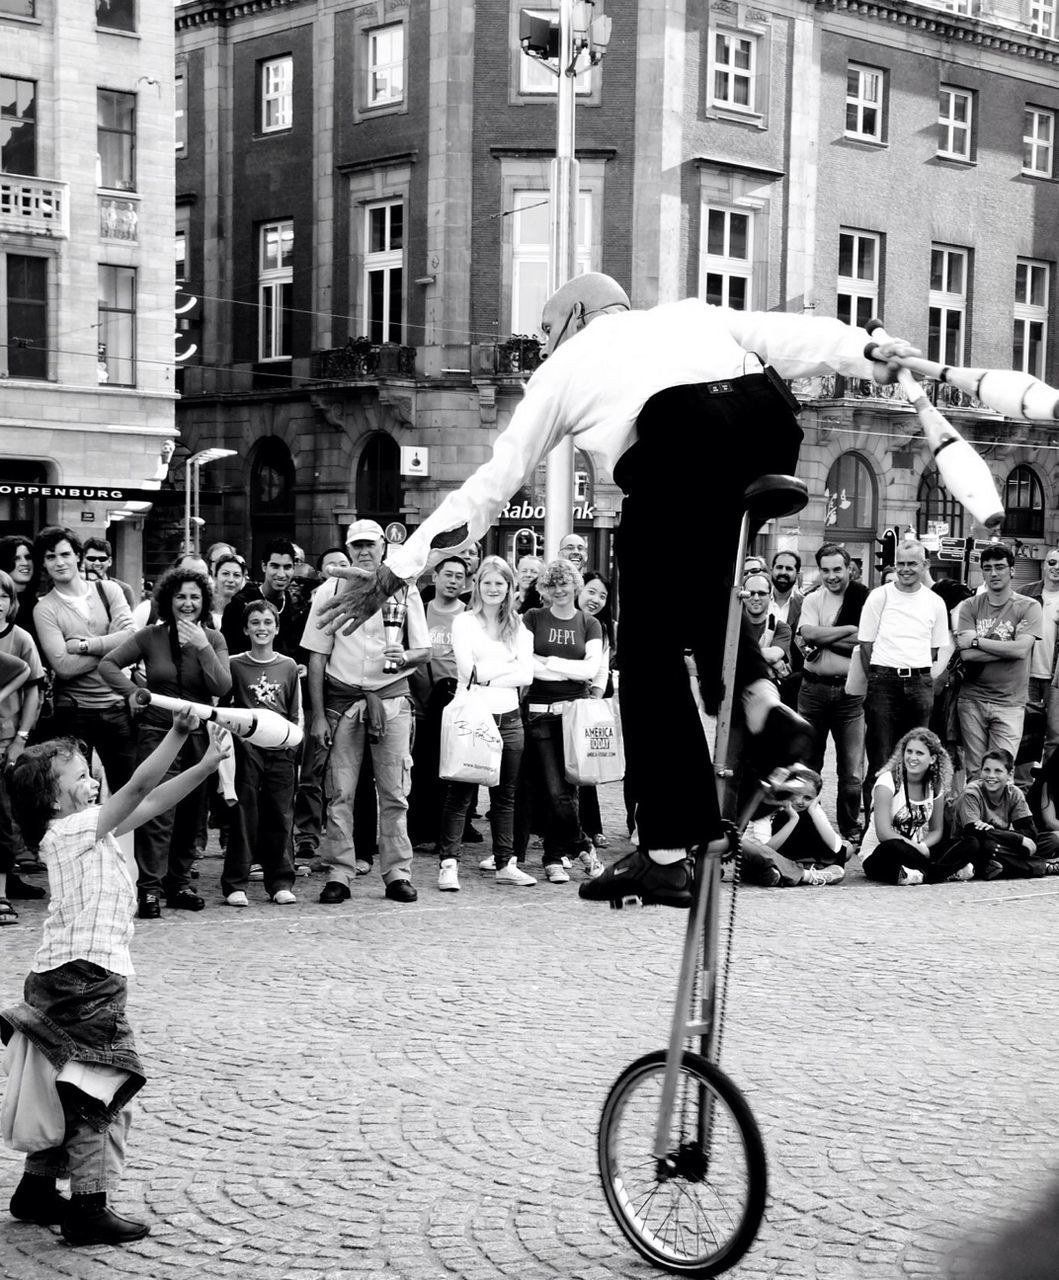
pixel 117 326
pixel 18 126
pixel 24 331
pixel 1038 142
pixel 116 15
pixel 180 249
pixel 1032 291
pixel 116 139
pixel 275 290
pixel 384 271
pixel 531 226
pixel 949 282
pixel 386 65
pixel 955 107
pixel 277 94
pixel 865 88
pixel 859 255
pixel 180 114
pixel 727 262
pixel 733 63
pixel 1042 18
pixel 20 8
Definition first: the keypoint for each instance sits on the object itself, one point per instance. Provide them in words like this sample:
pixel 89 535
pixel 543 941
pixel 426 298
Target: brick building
pixel 362 220
pixel 86 285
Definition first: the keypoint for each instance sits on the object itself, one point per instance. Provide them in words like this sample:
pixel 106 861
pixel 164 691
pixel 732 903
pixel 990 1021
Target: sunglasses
pixel 1052 564
pixel 758 593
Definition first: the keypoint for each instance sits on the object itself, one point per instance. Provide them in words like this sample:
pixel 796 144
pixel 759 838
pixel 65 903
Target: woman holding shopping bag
pixel 491 645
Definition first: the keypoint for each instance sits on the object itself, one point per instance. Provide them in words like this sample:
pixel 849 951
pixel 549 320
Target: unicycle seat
pixel 772 497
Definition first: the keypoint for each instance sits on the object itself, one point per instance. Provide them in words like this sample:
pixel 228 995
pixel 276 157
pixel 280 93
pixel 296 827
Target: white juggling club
pixel 962 470
pixel 266 729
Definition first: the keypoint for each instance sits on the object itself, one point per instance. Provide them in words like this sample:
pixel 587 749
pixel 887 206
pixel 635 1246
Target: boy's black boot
pixel 36 1200
pixel 89 1221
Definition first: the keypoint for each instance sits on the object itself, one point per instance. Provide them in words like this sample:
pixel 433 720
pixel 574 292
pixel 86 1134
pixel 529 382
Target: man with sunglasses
pixel 682 405
pixel 97 559
pixel 772 636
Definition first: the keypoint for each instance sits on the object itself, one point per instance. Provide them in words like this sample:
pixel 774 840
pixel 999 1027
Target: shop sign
pixel 22 489
pixel 527 511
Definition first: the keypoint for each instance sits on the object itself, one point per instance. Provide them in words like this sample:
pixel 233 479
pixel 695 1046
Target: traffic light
pixel 884 556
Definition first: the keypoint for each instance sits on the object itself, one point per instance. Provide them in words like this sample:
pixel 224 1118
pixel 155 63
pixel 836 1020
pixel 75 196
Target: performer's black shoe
pixel 636 876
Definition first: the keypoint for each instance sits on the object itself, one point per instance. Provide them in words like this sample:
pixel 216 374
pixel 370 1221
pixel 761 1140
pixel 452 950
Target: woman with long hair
pixel 567 650
pixel 16 560
pixel 905 840
pixel 183 656
pixel 491 646
pixel 594 599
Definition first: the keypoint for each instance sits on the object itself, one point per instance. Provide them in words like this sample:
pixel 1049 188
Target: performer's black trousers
pixel 697 451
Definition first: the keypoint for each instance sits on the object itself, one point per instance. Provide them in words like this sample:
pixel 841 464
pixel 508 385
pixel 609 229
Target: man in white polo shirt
pixel 902 627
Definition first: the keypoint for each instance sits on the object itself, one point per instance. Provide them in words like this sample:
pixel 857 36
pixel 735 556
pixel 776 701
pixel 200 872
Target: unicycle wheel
pixel 696 1211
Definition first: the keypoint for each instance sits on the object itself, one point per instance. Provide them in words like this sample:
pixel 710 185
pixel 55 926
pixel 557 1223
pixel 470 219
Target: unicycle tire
pixel 698 1210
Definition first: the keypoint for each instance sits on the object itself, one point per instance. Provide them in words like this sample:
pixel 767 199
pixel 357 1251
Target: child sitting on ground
pixel 74 1005
pixel 994 812
pixel 800 845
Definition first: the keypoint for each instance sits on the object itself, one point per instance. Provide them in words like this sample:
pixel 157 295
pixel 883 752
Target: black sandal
pixel 8 914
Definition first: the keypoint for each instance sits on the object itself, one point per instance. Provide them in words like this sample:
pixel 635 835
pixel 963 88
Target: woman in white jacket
pixel 490 641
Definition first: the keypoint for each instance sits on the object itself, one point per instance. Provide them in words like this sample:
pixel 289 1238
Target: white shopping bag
pixel 592 742
pixel 471 745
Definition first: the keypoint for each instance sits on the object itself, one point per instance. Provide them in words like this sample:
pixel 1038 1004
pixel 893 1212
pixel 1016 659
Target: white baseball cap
pixel 365 531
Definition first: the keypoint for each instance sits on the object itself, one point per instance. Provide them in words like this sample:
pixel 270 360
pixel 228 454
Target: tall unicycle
pixel 680 1154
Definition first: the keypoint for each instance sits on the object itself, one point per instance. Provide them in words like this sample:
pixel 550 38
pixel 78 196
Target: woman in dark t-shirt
pixel 567 647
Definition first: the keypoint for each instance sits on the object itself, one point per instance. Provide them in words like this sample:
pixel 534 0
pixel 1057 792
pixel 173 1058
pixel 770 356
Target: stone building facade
pixel 362 207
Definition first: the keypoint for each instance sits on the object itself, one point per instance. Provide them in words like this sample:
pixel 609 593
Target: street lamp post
pixel 192 520
pixel 582 42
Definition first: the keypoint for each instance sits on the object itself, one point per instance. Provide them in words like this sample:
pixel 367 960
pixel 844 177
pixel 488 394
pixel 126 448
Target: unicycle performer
pixel 685 405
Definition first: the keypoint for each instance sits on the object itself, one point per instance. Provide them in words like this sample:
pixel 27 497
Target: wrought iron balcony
pixel 834 386
pixel 516 357
pixel 33 205
pixel 361 360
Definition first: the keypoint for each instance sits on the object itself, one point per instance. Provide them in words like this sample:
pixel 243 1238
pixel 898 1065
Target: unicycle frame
pixel 700 941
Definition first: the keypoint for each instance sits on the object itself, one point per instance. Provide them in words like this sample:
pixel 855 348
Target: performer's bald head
pixel 577 303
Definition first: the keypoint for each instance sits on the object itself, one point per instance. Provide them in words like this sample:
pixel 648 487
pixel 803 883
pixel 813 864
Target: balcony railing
pixel 33 205
pixel 518 356
pixel 361 360
pixel 834 386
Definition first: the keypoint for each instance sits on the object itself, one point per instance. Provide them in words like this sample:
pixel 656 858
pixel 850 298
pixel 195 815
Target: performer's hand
pixel 361 595
pixel 888 359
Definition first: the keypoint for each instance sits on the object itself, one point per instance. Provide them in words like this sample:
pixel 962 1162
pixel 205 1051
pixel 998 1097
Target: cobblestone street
pixel 413 1091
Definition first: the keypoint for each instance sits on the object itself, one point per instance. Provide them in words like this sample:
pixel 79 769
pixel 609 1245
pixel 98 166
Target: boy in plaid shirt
pixel 74 1006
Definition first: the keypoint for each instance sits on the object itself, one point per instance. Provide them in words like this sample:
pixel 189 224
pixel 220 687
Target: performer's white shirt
pixel 595 384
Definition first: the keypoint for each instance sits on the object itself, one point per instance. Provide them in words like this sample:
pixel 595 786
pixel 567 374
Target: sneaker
pixel 636 876
pixel 589 860
pixel 256 873
pixel 565 863
pixel 301 868
pixel 513 874
pixel 823 875
pixel 363 867
pixel 305 851
pixel 967 872
pixel 600 841
pixel 487 864
pixel 237 899
pixel 283 898
pixel 555 873
pixel 449 876
pixel 907 875
pixel 150 907
pixel 1050 869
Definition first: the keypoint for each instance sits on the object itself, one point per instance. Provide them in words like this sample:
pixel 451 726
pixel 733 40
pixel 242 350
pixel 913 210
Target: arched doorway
pixel 379 488
pixel 270 504
pixel 852 513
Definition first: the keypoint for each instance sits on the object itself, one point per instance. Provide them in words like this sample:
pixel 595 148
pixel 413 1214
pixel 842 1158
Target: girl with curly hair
pixel 905 840
pixel 183 656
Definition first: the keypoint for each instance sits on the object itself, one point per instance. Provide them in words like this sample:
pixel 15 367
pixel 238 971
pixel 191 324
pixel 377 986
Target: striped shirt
pixel 93 897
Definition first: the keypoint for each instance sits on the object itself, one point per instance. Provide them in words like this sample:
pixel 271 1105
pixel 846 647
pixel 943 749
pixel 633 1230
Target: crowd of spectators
pixel 941 704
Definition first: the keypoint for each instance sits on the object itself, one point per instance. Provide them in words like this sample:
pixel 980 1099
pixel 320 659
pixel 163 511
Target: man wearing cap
pixel 678 405
pixel 357 707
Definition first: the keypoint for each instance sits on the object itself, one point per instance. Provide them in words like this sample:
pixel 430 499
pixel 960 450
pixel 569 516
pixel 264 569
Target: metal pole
pixel 197 525
pixel 187 505
pixel 559 483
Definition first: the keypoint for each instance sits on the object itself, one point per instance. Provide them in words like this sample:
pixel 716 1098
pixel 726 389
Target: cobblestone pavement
pixel 375 1089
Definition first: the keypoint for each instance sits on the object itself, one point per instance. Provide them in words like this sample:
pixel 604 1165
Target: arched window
pixel 937 505
pixel 1023 504
pixel 850 494
pixel 271 504
pixel 379 479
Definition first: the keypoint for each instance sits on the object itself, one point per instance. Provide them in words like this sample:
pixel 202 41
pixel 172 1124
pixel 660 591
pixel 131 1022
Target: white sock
pixel 666 857
pixel 758 700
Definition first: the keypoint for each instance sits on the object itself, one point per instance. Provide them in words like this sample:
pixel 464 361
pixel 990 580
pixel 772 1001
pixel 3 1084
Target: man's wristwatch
pixel 84 646
pixel 23 734
pixel 975 644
